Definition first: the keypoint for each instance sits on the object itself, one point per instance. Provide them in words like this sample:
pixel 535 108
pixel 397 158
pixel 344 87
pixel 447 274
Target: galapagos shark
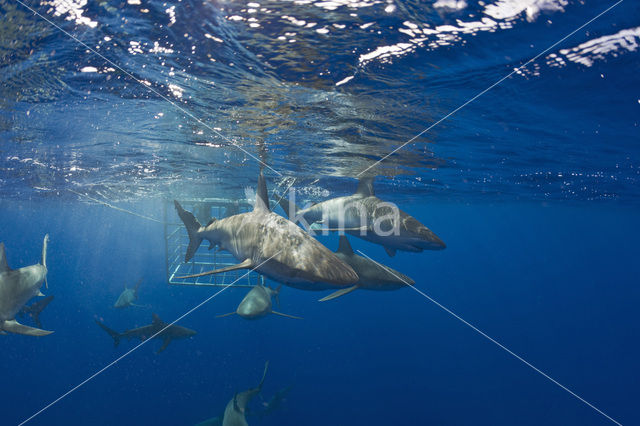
pixel 234 413
pixel 17 286
pixel 257 304
pixel 366 216
pixel 128 296
pixel 158 329
pixel 271 245
pixel 35 309
pixel 372 275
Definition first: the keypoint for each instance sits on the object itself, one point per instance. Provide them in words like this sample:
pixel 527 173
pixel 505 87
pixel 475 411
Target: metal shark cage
pixel 205 259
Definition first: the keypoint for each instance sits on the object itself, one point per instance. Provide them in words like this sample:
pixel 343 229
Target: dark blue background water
pixel 533 187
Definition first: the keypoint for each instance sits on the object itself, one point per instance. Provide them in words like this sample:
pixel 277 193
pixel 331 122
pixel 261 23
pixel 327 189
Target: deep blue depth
pixel 556 284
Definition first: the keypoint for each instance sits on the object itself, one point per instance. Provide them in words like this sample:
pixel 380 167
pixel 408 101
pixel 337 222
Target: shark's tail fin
pixel 44 257
pixel 192 225
pixel 114 334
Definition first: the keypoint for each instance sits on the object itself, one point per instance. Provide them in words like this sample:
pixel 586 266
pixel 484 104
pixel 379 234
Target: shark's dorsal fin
pixel 156 319
pixel 262 198
pixel 344 246
pixel 365 187
pixel 4 267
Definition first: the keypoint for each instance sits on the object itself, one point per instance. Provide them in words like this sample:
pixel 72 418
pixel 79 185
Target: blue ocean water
pixel 533 186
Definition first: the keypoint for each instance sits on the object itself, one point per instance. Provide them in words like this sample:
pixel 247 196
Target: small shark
pixel 35 309
pixel 128 296
pixel 366 216
pixel 257 303
pixel 373 276
pixel 270 244
pixel 164 331
pixel 234 413
pixel 17 286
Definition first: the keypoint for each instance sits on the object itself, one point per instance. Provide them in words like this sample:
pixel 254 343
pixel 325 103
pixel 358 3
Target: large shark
pixel 128 296
pixel 17 286
pixel 272 245
pixel 35 309
pixel 373 276
pixel 257 304
pixel 234 413
pixel 158 329
pixel 366 216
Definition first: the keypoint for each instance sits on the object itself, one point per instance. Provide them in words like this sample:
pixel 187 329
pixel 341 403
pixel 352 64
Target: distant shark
pixel 128 296
pixel 35 309
pixel 234 413
pixel 257 304
pixel 347 214
pixel 167 335
pixel 17 286
pixel 270 244
pixel 373 276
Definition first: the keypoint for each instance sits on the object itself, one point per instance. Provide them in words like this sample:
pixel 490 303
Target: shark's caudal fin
pixel 344 246
pixel 339 293
pixel 14 326
pixel 192 225
pixel 365 187
pixel 4 267
pixel 262 197
pixel 114 334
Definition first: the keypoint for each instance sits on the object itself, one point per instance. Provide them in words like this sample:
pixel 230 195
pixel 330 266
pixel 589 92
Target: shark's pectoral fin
pixel 340 292
pixel 246 264
pixel 390 251
pixel 165 343
pixel 14 326
pixel 285 315
pixel 225 315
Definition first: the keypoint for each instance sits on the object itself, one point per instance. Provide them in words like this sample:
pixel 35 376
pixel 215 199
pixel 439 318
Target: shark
pixel 235 411
pixel 366 216
pixel 35 309
pixel 373 276
pixel 271 245
pixel 257 303
pixel 128 296
pixel 17 286
pixel 158 329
